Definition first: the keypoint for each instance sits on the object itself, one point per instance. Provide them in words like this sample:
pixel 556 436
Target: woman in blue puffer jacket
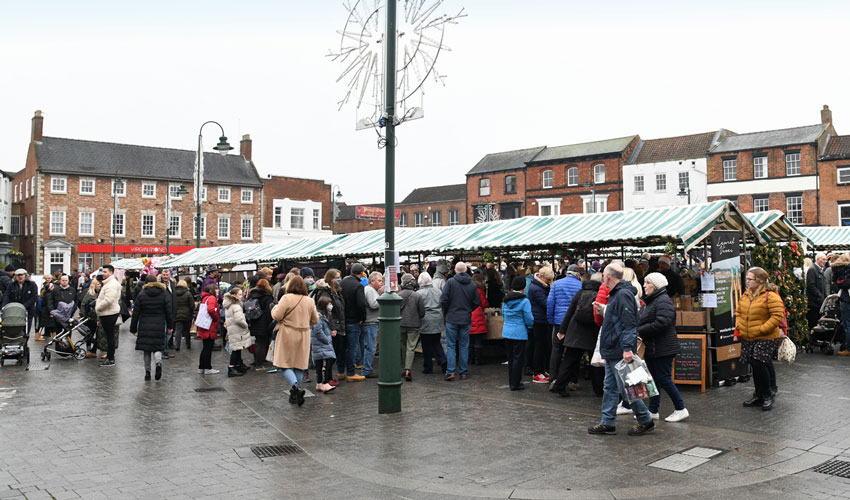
pixel 516 311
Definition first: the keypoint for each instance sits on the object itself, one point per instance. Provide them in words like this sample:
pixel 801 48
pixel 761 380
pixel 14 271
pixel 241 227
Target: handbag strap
pixel 289 311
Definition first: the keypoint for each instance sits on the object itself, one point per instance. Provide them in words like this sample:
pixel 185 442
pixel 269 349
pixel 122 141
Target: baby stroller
pixel 13 334
pixel 828 331
pixel 63 344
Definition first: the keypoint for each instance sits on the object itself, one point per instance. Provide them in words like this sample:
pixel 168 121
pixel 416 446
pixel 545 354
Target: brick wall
pixel 497 191
pixel 775 162
pixel 831 194
pixel 294 188
pixel 571 201
pixel 429 208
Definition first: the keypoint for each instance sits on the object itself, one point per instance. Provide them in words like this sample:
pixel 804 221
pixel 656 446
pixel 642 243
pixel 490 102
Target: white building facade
pixel 294 219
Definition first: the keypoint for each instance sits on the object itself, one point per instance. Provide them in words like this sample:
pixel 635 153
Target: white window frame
pixel 791 210
pixel 759 207
pixel 572 176
pixel 223 235
pixel 454 217
pixel 599 173
pixel 514 184
pixel 293 217
pixel 54 188
pixel 684 181
pixel 151 185
pixel 15 228
pixel 548 179
pixel 730 170
pixel 85 257
pixel 15 194
pixel 552 204
pixel 25 226
pixel 418 219
pixel 32 185
pixel 436 218
pixel 250 198
pixel 842 171
pixel 277 217
pixel 91 222
pixel 661 183
pixel 250 227
pixel 402 220
pixel 83 181
pixel 27 190
pixel 317 219
pixel 123 192
pixel 484 185
pixel 840 206
pixel 203 226
pixel 760 165
pixel 32 226
pixel 54 221
pixel 152 226
pixel 123 219
pixel 638 179
pixel 173 189
pixel 223 191
pixel 793 166
pixel 179 226
pixel 601 202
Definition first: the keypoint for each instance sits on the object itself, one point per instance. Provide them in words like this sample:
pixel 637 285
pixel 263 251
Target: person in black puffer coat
pixel 260 328
pixel 185 312
pixel 329 287
pixel 657 329
pixel 152 316
pixel 62 292
pixel 578 332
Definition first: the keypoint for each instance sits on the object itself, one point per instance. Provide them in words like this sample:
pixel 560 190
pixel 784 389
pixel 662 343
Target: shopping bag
pixel 270 353
pixel 204 320
pixel 635 379
pixel 787 351
pixel 596 359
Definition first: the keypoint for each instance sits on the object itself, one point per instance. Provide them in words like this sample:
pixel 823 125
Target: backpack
pixel 253 310
pixel 584 311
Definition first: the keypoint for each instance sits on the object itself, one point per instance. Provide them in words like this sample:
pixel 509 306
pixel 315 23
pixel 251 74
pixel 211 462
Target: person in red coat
pixel 479 322
pixel 209 298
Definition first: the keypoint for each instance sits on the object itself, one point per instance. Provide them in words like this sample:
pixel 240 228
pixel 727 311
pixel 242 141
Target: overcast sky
pixel 520 74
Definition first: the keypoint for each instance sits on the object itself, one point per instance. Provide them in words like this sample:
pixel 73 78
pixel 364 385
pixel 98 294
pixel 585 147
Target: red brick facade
pixel 279 187
pixel 832 194
pixel 499 194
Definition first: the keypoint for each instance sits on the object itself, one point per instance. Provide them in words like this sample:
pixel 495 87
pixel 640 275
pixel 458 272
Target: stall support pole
pixel 709 348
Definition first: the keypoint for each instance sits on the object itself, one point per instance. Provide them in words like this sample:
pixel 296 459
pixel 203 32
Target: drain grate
pixel 210 389
pixel 276 450
pixel 838 468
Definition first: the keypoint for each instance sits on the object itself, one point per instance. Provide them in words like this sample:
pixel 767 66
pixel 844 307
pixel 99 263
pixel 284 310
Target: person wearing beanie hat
pixel 412 313
pixel 516 311
pixel 657 329
pixel 432 325
pixel 675 284
pixel 309 278
pixel 438 280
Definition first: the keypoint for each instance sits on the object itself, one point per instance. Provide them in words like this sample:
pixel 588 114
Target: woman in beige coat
pixel 295 314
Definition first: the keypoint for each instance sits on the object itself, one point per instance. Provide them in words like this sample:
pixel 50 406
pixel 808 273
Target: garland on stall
pixel 780 263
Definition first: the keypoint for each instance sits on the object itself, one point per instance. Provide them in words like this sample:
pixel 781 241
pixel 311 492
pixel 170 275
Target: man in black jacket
pixel 6 278
pixel 355 314
pixel 23 291
pixel 165 279
pixel 817 288
pixel 460 297
pixel 62 292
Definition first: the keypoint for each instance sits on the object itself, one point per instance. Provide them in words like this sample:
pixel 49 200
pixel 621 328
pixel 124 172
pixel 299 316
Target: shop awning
pixel 828 237
pixel 128 264
pixel 776 226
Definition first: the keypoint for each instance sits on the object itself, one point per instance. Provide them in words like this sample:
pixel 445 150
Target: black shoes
pixel 299 398
pixel 563 393
pixel 158 374
pixel 603 429
pixel 147 374
pixel 520 387
pixel 234 371
pixel 107 362
pixel 293 394
pixel 243 368
pixel 767 405
pixel 407 376
pixel 754 401
pixel 641 429
pixel 371 375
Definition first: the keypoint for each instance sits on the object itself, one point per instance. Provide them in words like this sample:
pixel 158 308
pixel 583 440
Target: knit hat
pixel 307 271
pixel 596 265
pixel 518 284
pixel 657 279
pixel 10 268
pixel 665 259
pixel 425 279
pixel 407 279
pixel 442 266
pixel 357 268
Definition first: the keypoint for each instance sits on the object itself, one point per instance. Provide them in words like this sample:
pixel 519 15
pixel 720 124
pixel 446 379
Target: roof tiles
pixel 673 148
pixel 770 139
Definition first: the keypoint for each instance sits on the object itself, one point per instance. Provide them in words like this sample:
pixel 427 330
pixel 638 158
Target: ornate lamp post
pixel 222 147
pixel 117 184
pixel 334 200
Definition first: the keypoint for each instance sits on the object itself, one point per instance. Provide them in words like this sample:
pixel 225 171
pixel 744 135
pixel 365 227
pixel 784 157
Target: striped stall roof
pixel 776 226
pixel 829 237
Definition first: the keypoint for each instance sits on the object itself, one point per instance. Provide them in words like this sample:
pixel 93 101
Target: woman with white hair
pixel 431 326
pixel 657 329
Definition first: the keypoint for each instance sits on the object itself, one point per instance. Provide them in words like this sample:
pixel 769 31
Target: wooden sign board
pixel 689 364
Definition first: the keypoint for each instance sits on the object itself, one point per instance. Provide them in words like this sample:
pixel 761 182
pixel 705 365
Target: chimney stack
pixel 245 146
pixel 37 127
pixel 825 115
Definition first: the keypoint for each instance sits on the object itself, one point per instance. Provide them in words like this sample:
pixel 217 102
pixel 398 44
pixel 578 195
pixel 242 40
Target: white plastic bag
pixel 596 359
pixel 787 351
pixel 270 353
pixel 203 320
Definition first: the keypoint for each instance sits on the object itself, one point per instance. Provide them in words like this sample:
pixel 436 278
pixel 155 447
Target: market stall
pixel 829 238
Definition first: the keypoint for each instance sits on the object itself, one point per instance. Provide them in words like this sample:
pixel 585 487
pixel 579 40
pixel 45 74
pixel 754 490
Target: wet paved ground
pixel 79 431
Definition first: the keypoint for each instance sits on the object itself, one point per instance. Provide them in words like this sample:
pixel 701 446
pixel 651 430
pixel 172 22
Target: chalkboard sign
pixel 725 245
pixel 689 364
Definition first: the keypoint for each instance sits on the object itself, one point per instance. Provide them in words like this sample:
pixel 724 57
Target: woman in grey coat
pixel 432 325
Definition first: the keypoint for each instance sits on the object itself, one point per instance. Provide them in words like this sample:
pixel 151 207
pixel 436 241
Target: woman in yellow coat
pixel 759 315
pixel 295 313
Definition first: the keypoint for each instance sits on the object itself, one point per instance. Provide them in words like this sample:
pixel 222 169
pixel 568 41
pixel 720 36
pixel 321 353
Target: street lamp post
pixel 591 183
pixel 117 184
pixel 685 189
pixel 222 147
pixel 181 191
pixel 334 198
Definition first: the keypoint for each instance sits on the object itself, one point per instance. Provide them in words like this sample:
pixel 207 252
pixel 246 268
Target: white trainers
pixel 678 415
pixel 211 371
pixel 654 416
pixel 622 410
pixel 201 371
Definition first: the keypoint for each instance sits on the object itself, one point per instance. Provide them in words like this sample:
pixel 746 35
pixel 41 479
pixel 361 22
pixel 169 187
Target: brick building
pixel 67 193
pixel 834 177
pixel 496 185
pixel 772 170
pixel 295 208
pixel 358 218
pixel 569 179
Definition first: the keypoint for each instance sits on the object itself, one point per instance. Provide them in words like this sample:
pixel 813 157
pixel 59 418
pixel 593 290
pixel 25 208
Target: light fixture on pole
pixel 334 200
pixel 181 191
pixel 117 185
pixel 591 183
pixel 222 147
pixel 685 187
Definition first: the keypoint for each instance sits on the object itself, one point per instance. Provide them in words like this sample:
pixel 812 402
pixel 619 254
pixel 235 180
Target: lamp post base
pixel 389 378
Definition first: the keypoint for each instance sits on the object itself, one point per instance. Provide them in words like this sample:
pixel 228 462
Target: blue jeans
pixel 457 348
pixel 292 375
pixel 613 389
pixel 353 354
pixel 844 307
pixel 369 339
pixel 661 369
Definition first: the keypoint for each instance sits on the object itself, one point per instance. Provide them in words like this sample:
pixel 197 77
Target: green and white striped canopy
pixel 129 264
pixel 776 226
pixel 829 237
pixel 686 225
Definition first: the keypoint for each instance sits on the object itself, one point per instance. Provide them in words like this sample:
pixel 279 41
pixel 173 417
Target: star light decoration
pixel 420 34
